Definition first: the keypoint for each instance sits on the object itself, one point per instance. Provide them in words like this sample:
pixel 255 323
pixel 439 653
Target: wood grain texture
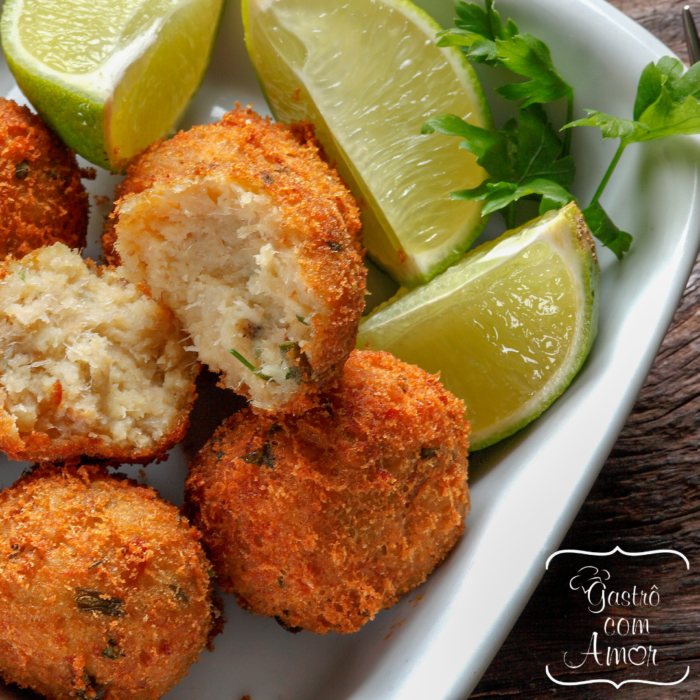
pixel 647 497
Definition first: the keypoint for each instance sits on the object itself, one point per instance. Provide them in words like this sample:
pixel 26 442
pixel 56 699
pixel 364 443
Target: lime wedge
pixel 109 76
pixel 367 73
pixel 508 327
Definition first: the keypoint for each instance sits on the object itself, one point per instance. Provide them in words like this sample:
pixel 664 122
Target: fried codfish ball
pixel 324 519
pixel 104 587
pixel 91 365
pixel 42 199
pixel 253 241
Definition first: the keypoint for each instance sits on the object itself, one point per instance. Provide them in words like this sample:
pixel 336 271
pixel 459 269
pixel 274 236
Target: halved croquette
pixel 253 242
pixel 90 364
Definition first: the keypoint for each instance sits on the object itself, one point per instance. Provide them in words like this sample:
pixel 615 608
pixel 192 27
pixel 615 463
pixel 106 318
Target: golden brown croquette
pixel 90 364
pixel 253 241
pixel 322 520
pixel 42 199
pixel 104 587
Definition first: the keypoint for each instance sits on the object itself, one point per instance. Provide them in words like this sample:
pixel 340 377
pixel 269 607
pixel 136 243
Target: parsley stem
pixel 509 216
pixel 569 119
pixel 608 173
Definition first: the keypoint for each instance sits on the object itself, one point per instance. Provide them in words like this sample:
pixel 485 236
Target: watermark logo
pixel 622 622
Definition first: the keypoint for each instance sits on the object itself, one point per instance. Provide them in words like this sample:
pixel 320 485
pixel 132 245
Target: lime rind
pixel 463 69
pixel 73 106
pixel 73 111
pixel 289 99
pixel 431 266
pixel 73 115
pixel 80 107
pixel 564 231
pixel 301 107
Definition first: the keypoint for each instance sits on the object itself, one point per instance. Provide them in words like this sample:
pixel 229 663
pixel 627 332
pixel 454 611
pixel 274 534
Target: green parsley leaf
pixel 475 20
pixel 499 195
pixel 490 149
pixel 486 22
pixel 553 198
pixel 539 149
pixel 610 127
pixel 649 89
pixel 495 195
pixel 667 117
pixel 605 230
pixel 668 73
pixel 526 159
pixel 522 159
pixel 483 38
pixel 528 56
pixel 475 49
pixel 477 31
pixel 667 103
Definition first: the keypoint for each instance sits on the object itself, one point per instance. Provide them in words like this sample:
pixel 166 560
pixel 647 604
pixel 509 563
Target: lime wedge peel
pixel 368 74
pixel 508 327
pixel 109 78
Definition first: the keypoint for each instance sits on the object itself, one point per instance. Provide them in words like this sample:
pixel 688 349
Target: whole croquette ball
pixel 253 241
pixel 104 587
pixel 42 198
pixel 324 519
pixel 91 365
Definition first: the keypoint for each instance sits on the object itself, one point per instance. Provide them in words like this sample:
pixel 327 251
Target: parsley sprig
pixel 526 159
pixel 485 39
pixel 523 159
pixel 667 103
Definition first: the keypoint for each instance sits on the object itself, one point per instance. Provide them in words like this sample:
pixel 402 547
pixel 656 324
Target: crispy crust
pixel 264 157
pixel 40 447
pixel 104 587
pixel 42 199
pixel 323 520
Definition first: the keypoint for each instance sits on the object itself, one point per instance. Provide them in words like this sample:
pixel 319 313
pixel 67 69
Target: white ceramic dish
pixel 526 490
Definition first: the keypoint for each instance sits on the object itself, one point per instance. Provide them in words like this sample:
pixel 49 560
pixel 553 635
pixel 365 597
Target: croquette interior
pixel 86 354
pixel 221 258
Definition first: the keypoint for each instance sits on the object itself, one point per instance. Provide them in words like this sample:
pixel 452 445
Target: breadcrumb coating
pixel 104 587
pixel 42 198
pixel 322 520
pixel 253 241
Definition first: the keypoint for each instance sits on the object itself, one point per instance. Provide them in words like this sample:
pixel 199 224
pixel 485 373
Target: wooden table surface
pixel 647 497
